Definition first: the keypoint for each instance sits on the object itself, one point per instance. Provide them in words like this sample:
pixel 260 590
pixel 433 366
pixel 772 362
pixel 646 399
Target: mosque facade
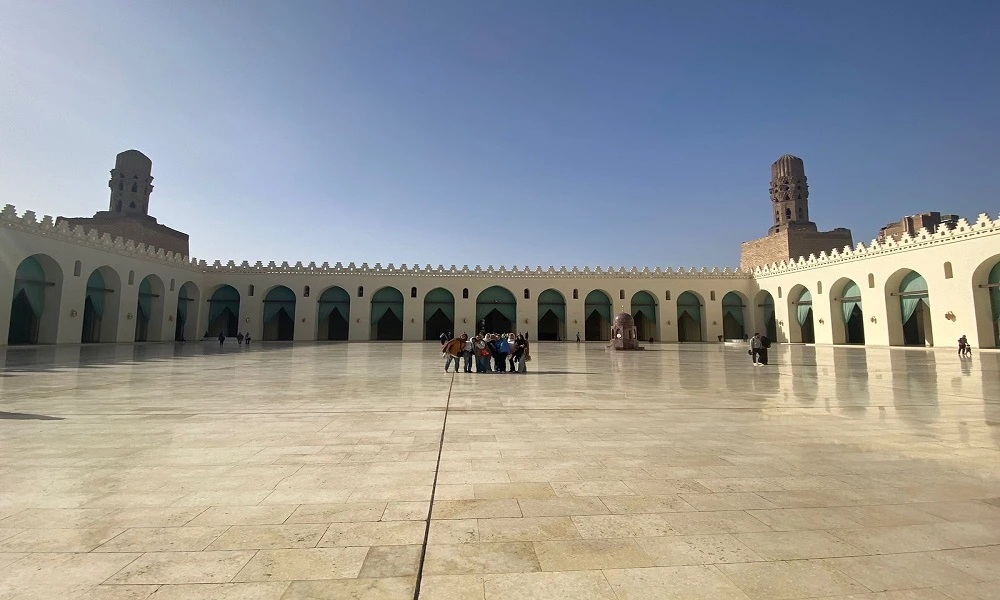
pixel 115 279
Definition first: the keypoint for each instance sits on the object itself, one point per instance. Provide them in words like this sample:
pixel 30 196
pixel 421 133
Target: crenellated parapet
pixel 984 226
pixel 28 222
pixel 466 271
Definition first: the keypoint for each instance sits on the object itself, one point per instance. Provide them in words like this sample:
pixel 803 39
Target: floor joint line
pixel 430 507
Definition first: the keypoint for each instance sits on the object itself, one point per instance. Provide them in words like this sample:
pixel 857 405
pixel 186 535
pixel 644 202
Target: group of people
pixel 240 338
pixel 758 349
pixel 490 352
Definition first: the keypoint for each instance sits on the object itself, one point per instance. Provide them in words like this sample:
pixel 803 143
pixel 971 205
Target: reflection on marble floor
pixel 305 471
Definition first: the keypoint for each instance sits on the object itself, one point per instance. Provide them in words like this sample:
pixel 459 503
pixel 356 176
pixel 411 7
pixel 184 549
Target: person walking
pixel 239 338
pixel 246 338
pixel 964 347
pixel 222 338
pixel 755 347
pixel 577 337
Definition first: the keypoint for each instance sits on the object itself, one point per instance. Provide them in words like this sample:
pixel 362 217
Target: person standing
pixel 755 347
pixel 468 351
pixel 239 338
pixel 525 355
pixel 222 338
pixel 246 338
pixel 515 351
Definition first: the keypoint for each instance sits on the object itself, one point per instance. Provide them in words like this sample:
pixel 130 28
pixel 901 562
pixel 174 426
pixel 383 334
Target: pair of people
pixel 964 347
pixel 758 349
pixel 454 349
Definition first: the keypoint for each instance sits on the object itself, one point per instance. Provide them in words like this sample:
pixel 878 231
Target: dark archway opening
pixel 389 327
pixel 855 333
pixel 337 327
pixel 597 328
pixel 549 327
pixel 437 324
pixel 24 323
pixel 496 322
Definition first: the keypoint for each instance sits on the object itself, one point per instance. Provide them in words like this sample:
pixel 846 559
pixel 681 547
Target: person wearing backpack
pixel 765 343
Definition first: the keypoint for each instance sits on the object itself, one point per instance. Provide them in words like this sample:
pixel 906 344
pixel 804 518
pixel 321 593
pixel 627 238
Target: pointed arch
pixel 101 306
pixel 387 314
pixel 765 319
pixel 439 313
pixel 149 310
pixel 223 311
pixel 333 314
pixel 846 312
pixel 734 316
pixel 551 316
pixel 279 314
pixel 34 313
pixel 690 317
pixel 186 319
pixel 800 315
pixel 644 313
pixel 597 316
pixel 496 310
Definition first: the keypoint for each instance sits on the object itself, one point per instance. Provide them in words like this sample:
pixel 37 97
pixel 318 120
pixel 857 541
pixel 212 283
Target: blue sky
pixel 516 133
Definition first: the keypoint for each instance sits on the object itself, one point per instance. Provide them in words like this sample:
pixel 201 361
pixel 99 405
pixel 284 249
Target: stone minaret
pixel 131 183
pixel 789 194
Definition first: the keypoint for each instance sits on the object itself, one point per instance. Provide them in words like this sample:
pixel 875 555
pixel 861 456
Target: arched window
pixel 305 292
pixel 947 271
pixel 77 267
pixel 667 296
pixel 779 291
pixel 413 292
pixel 871 280
pixel 711 296
pixel 819 287
pixel 788 212
pixel 527 294
pixel 135 187
pixel 621 294
pixel 465 293
pixel 361 291
pixel 172 283
pixel 131 277
pixel 250 290
pixel 576 294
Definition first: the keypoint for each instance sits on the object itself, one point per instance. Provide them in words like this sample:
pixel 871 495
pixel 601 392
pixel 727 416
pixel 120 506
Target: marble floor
pixel 682 472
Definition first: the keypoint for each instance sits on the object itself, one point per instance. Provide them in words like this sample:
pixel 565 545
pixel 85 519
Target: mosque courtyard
pixel 307 470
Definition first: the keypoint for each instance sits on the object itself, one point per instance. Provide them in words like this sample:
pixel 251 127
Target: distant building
pixel 792 235
pixel 128 212
pixel 913 223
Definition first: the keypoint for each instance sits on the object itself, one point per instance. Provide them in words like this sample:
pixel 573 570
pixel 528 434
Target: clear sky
pixel 562 132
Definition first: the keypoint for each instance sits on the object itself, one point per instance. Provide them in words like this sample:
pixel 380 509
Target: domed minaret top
pixel 789 194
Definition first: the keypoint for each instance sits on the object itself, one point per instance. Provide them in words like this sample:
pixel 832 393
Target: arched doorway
pixel 851 313
pixel 766 322
pixel 334 318
pixel 496 310
pixel 100 306
pixel 223 312
pixel 915 311
pixel 597 317
pixel 186 320
pixel 439 313
pixel 644 315
pixel 279 315
pixel 733 317
pixel 149 310
pixel 551 316
pixel 34 309
pixel 986 300
pixel 387 315
pixel 803 315
pixel 689 318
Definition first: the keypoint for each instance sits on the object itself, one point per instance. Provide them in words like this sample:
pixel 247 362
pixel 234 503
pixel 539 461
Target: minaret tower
pixel 789 194
pixel 131 183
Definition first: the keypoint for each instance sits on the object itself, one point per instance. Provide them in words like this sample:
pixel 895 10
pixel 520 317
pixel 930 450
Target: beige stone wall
pixel 764 251
pixel 793 243
pixel 139 228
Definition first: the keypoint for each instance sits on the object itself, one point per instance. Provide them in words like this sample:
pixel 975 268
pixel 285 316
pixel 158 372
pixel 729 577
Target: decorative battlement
pixel 984 225
pixel 29 223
